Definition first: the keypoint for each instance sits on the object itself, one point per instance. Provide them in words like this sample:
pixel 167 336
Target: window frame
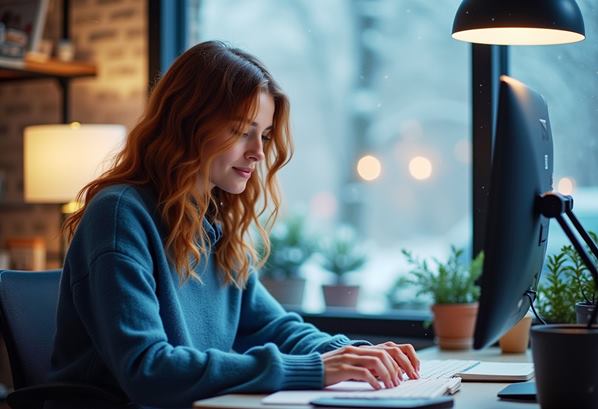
pixel 167 27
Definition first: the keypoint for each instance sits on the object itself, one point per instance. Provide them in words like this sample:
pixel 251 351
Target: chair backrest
pixel 28 302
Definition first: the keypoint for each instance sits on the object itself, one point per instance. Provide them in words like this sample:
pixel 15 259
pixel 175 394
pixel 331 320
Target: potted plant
pixel 565 285
pixel 569 293
pixel 587 295
pixel 290 247
pixel 452 286
pixel 341 254
pixel 556 295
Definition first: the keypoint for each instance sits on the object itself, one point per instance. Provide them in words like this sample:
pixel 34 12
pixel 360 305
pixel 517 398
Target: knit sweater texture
pixel 125 322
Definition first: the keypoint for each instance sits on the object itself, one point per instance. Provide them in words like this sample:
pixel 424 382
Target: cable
pixel 533 293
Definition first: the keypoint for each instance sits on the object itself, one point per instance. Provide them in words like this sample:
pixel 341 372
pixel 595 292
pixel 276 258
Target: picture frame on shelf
pixel 21 27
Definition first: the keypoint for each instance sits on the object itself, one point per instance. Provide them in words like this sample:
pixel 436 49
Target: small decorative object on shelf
pixel 27 253
pixel 4 259
pixel 65 50
pixel 21 26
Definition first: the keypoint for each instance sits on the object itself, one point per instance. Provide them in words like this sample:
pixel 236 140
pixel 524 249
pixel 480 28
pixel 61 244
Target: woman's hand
pixel 385 362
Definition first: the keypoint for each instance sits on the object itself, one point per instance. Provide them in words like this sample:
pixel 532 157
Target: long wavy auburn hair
pixel 194 114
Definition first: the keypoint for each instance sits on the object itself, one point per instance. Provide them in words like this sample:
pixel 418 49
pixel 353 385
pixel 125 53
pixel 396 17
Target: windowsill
pixel 405 326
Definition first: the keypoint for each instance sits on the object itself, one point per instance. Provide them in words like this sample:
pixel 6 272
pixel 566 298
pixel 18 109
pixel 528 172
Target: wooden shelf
pixel 28 69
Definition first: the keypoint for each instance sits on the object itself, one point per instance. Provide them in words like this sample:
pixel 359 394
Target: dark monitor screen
pixel 516 233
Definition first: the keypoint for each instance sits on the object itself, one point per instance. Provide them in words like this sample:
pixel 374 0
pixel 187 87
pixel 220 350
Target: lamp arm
pixel 583 233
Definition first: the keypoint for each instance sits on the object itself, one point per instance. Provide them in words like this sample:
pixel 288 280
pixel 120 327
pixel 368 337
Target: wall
pixel 111 33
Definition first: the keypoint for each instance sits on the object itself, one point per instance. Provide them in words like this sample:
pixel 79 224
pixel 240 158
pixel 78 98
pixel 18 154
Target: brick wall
pixel 111 33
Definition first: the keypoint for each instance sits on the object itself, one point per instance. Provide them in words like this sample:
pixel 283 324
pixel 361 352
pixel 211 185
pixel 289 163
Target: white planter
pixel 288 292
pixel 345 296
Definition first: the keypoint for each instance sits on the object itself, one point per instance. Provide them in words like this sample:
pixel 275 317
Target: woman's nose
pixel 256 152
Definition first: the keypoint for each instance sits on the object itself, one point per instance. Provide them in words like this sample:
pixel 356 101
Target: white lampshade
pixel 60 159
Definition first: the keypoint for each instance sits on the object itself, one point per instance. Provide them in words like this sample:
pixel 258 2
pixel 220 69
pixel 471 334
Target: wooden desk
pixel 473 395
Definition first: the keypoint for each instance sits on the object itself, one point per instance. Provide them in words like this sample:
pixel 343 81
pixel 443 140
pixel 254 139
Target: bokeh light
pixel 420 168
pixel 369 168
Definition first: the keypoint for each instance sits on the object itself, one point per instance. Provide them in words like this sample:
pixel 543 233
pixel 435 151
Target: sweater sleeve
pixel 116 298
pixel 118 305
pixel 264 320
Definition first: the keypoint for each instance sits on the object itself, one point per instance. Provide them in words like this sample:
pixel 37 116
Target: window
pixel 365 77
pixel 567 77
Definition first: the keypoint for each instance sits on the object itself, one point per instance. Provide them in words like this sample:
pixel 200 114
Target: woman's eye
pixel 266 138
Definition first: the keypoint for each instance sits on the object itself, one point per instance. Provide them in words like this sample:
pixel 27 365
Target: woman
pixel 159 298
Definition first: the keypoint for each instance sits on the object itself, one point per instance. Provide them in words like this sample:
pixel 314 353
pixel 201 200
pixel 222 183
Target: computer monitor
pixel 516 231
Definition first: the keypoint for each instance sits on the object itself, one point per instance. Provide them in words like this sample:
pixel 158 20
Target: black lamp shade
pixel 519 22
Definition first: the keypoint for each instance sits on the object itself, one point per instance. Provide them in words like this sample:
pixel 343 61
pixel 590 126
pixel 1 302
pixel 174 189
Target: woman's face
pixel 231 170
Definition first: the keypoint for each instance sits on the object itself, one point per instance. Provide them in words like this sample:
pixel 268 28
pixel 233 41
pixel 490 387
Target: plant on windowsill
pixel 452 286
pixel 341 254
pixel 290 248
pixel 569 294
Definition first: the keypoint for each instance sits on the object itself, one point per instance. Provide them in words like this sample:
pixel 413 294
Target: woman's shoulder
pixel 122 196
pixel 116 192
pixel 115 216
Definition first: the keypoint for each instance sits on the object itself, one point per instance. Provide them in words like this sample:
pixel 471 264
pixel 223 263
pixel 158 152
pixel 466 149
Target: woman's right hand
pixel 369 364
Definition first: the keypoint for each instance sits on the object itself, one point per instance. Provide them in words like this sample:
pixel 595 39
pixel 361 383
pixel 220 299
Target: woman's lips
pixel 244 172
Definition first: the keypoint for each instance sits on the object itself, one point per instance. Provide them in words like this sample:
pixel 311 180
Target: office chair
pixel 28 302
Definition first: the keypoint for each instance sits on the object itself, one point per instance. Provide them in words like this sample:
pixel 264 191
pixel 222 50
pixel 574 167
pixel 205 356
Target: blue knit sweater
pixel 126 323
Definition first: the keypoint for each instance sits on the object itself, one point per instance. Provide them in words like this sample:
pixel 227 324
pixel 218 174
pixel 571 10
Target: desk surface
pixel 473 395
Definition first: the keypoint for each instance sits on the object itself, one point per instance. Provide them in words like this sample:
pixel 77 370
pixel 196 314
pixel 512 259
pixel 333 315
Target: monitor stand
pixel 519 391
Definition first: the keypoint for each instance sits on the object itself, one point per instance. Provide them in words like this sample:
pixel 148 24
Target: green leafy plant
pixel 556 295
pixel 584 282
pixel 290 247
pixel 450 282
pixel 567 282
pixel 342 253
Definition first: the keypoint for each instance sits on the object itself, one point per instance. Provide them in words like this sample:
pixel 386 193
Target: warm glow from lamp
pixel 518 36
pixel 566 186
pixel 60 159
pixel 369 168
pixel 420 168
pixel 519 22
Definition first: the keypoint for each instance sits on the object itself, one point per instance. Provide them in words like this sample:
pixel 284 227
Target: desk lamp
pixel 519 22
pixel 60 159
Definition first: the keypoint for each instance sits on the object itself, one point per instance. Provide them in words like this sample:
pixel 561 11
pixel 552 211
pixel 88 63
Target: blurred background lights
pixel 566 186
pixel 323 205
pixel 369 167
pixel 420 168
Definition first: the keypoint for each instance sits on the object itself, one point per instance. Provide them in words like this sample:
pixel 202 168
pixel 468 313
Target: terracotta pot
pixel 341 295
pixel 288 292
pixel 454 325
pixel 516 340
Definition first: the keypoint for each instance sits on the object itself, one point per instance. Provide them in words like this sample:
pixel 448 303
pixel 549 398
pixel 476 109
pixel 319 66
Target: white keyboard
pixel 412 388
pixel 437 378
pixel 445 368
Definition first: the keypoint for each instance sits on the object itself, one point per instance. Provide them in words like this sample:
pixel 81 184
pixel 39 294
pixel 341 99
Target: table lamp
pixel 60 159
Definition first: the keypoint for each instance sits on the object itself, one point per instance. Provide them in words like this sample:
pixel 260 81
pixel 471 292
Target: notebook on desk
pixel 473 370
